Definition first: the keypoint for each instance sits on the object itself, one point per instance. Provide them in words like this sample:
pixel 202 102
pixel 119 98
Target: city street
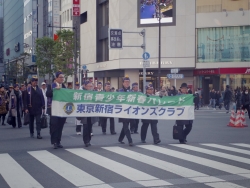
pixel 215 156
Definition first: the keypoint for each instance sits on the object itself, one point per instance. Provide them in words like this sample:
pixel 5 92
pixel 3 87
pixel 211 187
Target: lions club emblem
pixel 69 108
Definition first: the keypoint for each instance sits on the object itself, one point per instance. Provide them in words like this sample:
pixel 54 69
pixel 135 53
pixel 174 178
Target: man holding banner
pixel 56 123
pixel 125 130
pixel 152 122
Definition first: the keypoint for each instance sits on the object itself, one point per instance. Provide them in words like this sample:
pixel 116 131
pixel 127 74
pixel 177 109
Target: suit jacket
pixel 125 90
pixel 13 103
pixel 34 100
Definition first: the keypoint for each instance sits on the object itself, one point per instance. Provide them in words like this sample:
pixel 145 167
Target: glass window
pixel 236 81
pixel 225 44
pixel 204 6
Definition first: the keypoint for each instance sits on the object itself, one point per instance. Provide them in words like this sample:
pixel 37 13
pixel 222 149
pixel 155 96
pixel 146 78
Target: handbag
pixel 44 123
pixel 177 132
pixel 10 119
pixel 26 120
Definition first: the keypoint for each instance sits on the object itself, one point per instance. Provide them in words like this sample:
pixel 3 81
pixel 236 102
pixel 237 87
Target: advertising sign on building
pixel 148 12
pixel 76 8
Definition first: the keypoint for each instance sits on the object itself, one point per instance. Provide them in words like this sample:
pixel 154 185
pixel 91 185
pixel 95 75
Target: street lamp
pixel 75 51
pixel 159 56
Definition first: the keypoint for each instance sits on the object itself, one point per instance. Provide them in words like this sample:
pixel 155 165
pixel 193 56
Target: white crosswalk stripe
pixel 216 153
pixel 71 173
pixel 17 176
pixel 121 169
pixel 242 145
pixel 199 160
pixel 228 148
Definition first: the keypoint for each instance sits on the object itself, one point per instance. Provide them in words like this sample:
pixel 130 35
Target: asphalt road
pixel 210 159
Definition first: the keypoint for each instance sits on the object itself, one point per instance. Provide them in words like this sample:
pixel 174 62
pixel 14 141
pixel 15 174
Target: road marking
pixel 243 145
pixel 215 153
pixel 223 185
pixel 199 160
pixel 71 173
pixel 121 169
pixel 228 148
pixel 170 167
pixel 15 175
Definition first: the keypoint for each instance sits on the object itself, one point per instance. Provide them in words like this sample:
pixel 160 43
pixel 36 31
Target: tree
pixel 65 50
pixel 45 55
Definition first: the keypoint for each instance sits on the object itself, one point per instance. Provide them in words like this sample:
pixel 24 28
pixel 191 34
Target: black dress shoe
pixel 182 142
pixel 157 141
pixel 185 141
pixel 3 124
pixel 39 137
pixel 87 145
pixel 113 133
pixel 136 132
pixel 55 146
pixel 104 133
pixel 131 144
pixel 31 135
pixel 143 141
pixel 121 142
pixel 59 145
pixel 19 127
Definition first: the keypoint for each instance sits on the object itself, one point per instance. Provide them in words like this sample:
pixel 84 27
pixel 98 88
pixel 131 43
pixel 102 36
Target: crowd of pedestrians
pixel 30 100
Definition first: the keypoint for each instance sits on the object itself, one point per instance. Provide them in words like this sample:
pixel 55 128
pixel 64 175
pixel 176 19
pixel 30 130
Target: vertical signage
pixel 76 8
pixel 56 15
pixel 115 39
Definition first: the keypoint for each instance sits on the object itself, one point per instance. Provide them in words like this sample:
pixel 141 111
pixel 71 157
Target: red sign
pixel 76 8
pixel 206 72
pixel 76 11
pixel 55 37
pixel 234 70
pixel 76 2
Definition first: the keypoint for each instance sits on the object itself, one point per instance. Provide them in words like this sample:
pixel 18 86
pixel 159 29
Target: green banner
pixel 81 103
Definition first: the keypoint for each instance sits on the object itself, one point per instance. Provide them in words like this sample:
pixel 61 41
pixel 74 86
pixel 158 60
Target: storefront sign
pixel 234 70
pixel 206 72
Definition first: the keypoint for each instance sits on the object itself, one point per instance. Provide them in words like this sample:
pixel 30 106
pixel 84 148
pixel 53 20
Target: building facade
pixel 2 73
pixel 177 40
pixel 222 44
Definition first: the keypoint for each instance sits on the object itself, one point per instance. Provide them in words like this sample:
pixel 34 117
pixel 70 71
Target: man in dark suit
pixel 135 122
pixel 103 120
pixel 125 121
pixel 56 123
pixel 146 122
pixel 34 105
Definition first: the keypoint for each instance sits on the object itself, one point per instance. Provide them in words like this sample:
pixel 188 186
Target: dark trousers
pixel 134 125
pixel 186 131
pixel 125 131
pixel 38 123
pixel 2 116
pixel 78 128
pixel 56 128
pixel 227 105
pixel 18 117
pixel 104 124
pixel 86 132
pixel 144 129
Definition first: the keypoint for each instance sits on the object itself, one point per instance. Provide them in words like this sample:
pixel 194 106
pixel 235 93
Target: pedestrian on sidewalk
pixel 16 106
pixel 245 101
pixel 227 98
pixel 3 102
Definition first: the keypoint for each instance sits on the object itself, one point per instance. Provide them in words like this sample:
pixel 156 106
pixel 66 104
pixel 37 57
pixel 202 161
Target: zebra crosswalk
pixel 173 165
